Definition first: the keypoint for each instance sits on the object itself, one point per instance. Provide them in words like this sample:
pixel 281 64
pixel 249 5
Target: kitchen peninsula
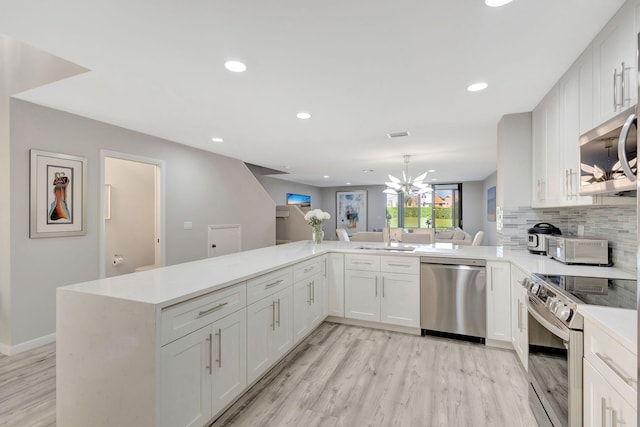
pixel 137 349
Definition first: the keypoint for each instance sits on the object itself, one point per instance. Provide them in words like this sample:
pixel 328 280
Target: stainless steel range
pixel 556 340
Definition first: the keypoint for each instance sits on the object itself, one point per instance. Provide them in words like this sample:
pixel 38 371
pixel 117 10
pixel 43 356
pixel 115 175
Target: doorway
pixel 132 214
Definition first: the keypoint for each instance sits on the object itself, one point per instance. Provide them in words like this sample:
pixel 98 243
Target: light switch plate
pixel 188 225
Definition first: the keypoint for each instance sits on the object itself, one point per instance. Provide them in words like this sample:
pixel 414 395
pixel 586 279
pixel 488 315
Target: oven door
pixel 555 369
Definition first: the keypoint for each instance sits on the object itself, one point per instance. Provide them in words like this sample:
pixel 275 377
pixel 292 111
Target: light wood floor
pixel 350 376
pixel 339 376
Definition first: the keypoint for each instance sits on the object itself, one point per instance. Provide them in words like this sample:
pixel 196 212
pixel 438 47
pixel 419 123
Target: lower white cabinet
pixel 519 316
pixel 269 332
pixel 361 296
pixel 400 303
pixel 382 296
pixel 603 405
pixel 185 380
pixel 307 306
pixel 499 301
pixel 333 284
pixel 203 371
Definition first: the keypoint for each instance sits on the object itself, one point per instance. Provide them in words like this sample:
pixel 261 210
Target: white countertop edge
pixel 176 283
pixel 620 323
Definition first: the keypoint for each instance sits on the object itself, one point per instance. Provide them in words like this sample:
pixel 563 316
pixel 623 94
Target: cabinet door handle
pixel 519 317
pixel 624 377
pixel 622 85
pixel 566 184
pixel 219 334
pixel 614 421
pixel 313 291
pixel 210 367
pixel 382 286
pixel 309 293
pixel 325 268
pixel 278 312
pixel 376 286
pixel 211 310
pixel 272 284
pixel 603 403
pixel 273 316
pixel 615 89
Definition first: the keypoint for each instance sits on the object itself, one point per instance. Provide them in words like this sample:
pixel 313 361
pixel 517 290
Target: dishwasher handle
pixel 455 267
pixel 453 261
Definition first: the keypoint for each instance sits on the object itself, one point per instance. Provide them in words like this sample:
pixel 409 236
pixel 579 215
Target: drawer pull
pixel 397 264
pixel 360 262
pixel 624 377
pixel 272 284
pixel 211 310
pixel 308 269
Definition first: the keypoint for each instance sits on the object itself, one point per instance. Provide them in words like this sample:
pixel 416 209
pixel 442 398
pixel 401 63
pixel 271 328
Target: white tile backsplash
pixel 615 223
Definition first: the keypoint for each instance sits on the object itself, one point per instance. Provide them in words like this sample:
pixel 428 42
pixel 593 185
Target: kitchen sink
pixel 388 248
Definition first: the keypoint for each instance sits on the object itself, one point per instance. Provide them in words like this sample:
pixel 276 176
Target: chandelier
pixel 406 185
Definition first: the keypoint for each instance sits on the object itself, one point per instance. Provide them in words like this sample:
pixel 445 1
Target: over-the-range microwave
pixel 609 156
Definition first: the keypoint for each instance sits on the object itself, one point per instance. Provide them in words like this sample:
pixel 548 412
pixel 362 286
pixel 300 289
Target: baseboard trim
pixel 374 325
pixel 10 350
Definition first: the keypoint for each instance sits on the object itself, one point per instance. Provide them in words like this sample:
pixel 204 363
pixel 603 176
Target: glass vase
pixel 317 235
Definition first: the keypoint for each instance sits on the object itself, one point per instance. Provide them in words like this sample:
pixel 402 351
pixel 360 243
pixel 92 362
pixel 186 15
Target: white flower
pixel 316 216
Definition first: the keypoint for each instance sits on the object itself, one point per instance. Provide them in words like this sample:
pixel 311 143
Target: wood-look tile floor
pixel 351 376
pixel 339 376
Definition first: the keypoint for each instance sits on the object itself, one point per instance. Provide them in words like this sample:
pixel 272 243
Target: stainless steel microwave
pixel 609 156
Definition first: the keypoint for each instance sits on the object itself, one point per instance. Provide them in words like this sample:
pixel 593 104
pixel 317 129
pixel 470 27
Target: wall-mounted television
pixel 299 200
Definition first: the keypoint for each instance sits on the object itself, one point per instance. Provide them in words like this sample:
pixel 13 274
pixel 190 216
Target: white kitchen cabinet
pixel 390 294
pixel 400 303
pixel 615 64
pixel 229 358
pixel 185 379
pixel 519 316
pixel 538 155
pixel 603 405
pixel 499 301
pixel 362 295
pixel 269 332
pixel 307 306
pixel 333 284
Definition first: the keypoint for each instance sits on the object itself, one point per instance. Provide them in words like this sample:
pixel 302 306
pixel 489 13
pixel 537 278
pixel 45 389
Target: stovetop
pixel 619 293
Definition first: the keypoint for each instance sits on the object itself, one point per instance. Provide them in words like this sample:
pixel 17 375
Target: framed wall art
pixel 351 210
pixel 57 195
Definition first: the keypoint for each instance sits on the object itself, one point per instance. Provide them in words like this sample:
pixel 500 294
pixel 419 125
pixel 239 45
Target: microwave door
pixel 628 147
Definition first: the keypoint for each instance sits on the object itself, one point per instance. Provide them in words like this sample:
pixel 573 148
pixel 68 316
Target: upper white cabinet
pixel 615 64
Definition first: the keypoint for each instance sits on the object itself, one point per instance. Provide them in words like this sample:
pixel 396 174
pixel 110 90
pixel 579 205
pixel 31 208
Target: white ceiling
pixel 363 68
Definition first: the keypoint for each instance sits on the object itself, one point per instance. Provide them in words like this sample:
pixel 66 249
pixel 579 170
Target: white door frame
pixel 160 247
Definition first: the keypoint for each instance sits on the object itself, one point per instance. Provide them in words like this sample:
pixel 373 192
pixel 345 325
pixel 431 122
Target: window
pixel 418 211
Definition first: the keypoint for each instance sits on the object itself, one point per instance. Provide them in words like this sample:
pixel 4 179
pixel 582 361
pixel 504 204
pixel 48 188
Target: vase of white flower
pixel 315 218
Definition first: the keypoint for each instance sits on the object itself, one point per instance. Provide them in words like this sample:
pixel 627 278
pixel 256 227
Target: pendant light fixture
pixel 406 185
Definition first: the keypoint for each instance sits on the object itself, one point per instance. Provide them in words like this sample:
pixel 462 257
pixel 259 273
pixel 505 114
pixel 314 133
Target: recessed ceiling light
pixel 431 170
pixel 477 87
pixel 496 3
pixel 216 139
pixel 303 115
pixel 235 66
pixel 287 167
pixel 347 183
pixel 367 170
pixel 433 179
pixel 326 176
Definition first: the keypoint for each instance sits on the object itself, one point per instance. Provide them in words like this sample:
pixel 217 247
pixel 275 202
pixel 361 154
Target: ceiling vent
pixel 397 134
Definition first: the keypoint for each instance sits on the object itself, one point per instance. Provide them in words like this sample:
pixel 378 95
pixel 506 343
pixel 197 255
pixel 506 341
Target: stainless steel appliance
pixel 609 156
pixel 453 298
pixel 556 340
pixel 537 238
pixel 579 250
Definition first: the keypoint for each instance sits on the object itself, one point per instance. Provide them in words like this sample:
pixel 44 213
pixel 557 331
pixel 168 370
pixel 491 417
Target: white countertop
pixel 620 323
pixel 169 285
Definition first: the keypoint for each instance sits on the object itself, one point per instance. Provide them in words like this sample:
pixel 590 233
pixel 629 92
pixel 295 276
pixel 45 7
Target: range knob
pixel 564 313
pixel 534 288
pixel 550 303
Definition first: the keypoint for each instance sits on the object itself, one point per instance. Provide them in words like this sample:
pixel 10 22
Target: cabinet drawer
pixel 268 284
pixel 400 264
pixel 306 269
pixel 186 317
pixel 362 262
pixel 612 360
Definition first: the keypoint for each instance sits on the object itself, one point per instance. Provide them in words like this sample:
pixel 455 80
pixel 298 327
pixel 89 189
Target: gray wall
pixel 472 207
pixel 197 190
pixel 278 189
pixel 490 233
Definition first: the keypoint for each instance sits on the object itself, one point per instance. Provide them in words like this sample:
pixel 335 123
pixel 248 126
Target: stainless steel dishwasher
pixel 453 298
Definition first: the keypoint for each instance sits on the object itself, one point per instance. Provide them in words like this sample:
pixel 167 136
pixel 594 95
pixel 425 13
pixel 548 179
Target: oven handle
pixel 564 335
